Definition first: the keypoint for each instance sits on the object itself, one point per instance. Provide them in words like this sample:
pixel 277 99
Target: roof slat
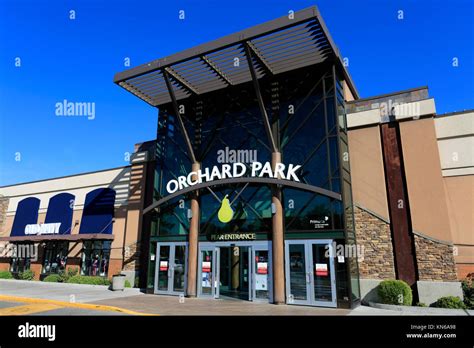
pixel 277 46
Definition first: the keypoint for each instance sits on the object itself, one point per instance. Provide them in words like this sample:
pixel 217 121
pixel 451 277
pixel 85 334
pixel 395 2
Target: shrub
pixel 79 279
pixel 127 284
pixel 421 304
pixel 137 282
pixel 468 291
pixel 53 278
pixel 69 273
pixel 449 302
pixel 26 275
pixel 6 275
pixel 395 292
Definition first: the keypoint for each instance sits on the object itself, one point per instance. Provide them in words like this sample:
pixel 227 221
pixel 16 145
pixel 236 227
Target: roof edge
pixel 65 176
pixel 249 33
pixel 388 94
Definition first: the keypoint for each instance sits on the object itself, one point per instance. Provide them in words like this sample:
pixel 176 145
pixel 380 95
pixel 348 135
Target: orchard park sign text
pixel 235 170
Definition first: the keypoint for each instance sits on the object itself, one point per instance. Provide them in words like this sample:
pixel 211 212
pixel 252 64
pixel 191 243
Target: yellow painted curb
pixel 71 304
pixel 28 309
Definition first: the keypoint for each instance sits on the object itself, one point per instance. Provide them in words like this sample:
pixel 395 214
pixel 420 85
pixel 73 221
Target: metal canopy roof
pixel 277 46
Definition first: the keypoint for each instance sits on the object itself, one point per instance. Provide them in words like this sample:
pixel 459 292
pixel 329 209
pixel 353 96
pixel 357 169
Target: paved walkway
pixel 174 305
pixel 78 293
pixel 38 298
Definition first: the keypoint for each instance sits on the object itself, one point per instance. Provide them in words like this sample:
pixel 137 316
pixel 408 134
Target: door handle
pixel 308 277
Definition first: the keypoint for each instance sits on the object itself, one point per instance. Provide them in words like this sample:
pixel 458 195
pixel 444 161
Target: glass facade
pixel 252 211
pixel 306 110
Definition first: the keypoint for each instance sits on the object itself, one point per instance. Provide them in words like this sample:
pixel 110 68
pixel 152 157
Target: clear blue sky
pixel 77 59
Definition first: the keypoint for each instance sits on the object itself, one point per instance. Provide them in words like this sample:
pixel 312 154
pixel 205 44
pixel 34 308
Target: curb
pixel 52 284
pixel 73 305
pixel 422 310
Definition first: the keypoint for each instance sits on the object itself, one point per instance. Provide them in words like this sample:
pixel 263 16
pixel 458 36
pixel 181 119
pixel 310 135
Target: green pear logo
pixel 225 212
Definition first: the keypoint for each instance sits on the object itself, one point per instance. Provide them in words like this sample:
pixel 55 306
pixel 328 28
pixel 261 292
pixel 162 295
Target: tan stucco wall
pixel 118 231
pixel 348 96
pixel 135 203
pixel 367 172
pixel 6 228
pixel 428 208
pixel 460 201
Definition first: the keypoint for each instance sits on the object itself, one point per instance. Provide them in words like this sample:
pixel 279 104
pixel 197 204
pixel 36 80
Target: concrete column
pixel 278 241
pixel 193 241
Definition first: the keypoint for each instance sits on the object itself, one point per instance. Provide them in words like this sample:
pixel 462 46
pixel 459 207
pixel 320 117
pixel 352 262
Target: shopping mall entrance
pixel 170 272
pixel 235 271
pixel 310 274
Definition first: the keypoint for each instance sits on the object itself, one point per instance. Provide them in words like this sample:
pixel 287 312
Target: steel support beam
pixel 261 105
pixel 218 71
pixel 260 58
pixel 181 80
pixel 178 115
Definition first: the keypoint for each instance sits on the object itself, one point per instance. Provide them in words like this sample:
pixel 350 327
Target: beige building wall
pixel 348 96
pixel 460 199
pixel 455 134
pixel 427 198
pixel 7 226
pixel 78 185
pixel 367 170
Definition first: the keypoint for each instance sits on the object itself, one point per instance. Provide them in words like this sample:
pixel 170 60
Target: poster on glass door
pixel 261 276
pixel 206 274
pixel 321 269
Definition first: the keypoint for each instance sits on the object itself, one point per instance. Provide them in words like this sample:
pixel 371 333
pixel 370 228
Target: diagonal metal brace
pixel 261 105
pixel 178 115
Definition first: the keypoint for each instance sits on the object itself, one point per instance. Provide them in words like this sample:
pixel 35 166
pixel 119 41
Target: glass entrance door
pixel 262 288
pixel 208 272
pixel 170 271
pixel 234 272
pixel 241 270
pixel 310 273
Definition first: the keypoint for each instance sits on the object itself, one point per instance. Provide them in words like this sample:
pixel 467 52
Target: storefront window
pixel 55 257
pixel 95 258
pixel 21 258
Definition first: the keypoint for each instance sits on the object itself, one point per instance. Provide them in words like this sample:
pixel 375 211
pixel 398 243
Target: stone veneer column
pixel 3 212
pixel 193 241
pixel 278 241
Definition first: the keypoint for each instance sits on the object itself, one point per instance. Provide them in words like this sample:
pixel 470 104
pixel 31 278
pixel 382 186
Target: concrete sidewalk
pixel 62 291
pixel 134 300
pixel 174 305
